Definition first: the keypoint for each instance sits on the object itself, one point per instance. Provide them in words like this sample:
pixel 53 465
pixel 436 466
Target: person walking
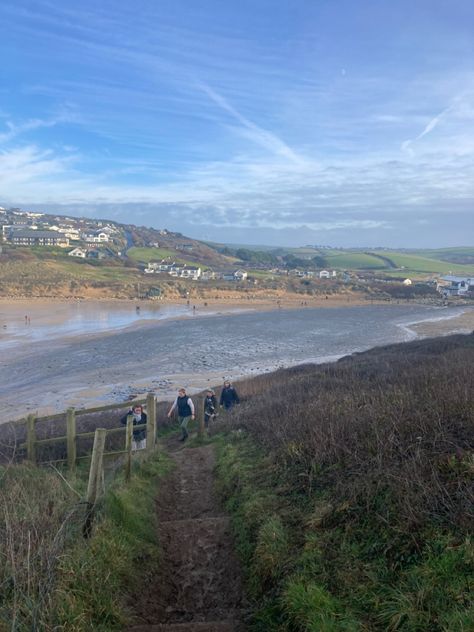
pixel 210 405
pixel 185 407
pixel 229 396
pixel 139 435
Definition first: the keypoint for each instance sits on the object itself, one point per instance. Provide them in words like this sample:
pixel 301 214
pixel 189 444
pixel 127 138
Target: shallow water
pixel 51 372
pixel 74 319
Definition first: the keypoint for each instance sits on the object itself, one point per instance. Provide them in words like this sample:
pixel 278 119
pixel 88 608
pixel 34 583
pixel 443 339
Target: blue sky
pixel 349 123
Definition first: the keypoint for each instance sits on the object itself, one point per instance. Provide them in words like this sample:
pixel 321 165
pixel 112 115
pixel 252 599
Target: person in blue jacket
pixel 229 396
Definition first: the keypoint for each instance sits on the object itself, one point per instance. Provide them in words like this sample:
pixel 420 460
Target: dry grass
pixel 397 420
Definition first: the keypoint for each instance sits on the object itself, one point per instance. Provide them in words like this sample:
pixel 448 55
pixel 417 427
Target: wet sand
pixel 173 346
pixel 459 324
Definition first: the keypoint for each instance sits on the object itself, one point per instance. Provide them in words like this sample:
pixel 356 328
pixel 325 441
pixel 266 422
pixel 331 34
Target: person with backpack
pixel 185 407
pixel 229 396
pixel 210 405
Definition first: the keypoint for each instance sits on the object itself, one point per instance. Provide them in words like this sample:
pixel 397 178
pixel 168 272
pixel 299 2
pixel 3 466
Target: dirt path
pixel 198 586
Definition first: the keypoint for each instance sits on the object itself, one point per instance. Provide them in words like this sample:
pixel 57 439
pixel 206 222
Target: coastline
pixel 445 325
pixel 83 382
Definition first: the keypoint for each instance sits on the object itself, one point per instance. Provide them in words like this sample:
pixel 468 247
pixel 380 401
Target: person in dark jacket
pixel 139 435
pixel 229 396
pixel 185 407
pixel 210 405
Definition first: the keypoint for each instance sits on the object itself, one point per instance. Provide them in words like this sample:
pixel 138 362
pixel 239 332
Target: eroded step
pixel 202 626
pixel 186 522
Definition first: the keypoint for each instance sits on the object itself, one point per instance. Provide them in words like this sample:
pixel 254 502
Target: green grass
pixel 144 255
pixel 53 579
pixel 354 261
pixel 85 271
pixel 414 263
pixel 313 566
pixel 94 576
pixel 260 274
pixel 446 253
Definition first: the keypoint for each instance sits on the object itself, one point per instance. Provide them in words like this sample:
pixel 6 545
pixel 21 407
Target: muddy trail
pixel 198 585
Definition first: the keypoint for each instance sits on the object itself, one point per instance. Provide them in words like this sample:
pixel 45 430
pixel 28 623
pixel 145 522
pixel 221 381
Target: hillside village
pixel 160 258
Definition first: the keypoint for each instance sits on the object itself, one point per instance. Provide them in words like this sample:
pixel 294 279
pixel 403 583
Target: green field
pixel 414 263
pixel 144 255
pixel 353 261
pixel 445 253
pixel 90 272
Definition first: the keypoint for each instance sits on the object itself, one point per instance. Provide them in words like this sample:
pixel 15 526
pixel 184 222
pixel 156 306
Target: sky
pixel 329 122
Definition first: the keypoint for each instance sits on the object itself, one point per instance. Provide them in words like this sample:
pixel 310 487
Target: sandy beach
pixel 458 324
pixel 97 352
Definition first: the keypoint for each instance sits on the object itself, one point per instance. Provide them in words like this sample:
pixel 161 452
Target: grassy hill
pixel 408 262
pixel 426 264
pixel 462 255
pixel 145 255
pixel 351 489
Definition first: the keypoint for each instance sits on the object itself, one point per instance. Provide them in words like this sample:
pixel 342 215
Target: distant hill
pixel 408 261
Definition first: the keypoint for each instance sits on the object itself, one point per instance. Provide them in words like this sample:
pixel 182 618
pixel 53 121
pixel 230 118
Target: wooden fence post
pixel 200 417
pixel 95 472
pixel 151 422
pixel 71 439
pixel 128 447
pixel 95 478
pixel 31 438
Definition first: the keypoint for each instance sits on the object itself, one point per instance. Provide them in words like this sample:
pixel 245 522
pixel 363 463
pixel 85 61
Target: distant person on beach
pixel 229 396
pixel 185 407
pixel 210 406
pixel 139 435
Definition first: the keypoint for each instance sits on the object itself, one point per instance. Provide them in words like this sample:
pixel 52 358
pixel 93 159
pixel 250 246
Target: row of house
pixel 456 286
pixel 34 237
pixel 53 236
pixel 91 252
pixel 182 271
pixel 26 228
pixel 310 274
pixel 194 273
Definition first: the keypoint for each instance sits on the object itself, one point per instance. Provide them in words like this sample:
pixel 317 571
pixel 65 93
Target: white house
pixel 240 275
pixel 96 237
pixel 78 252
pixel 458 286
pixel 72 233
pixel 190 272
pixel 324 274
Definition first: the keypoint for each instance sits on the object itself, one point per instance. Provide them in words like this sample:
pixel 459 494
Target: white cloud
pixel 17 129
pixel 258 135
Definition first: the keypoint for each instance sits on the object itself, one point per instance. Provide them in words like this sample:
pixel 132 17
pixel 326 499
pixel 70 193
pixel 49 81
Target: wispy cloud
pixel 14 130
pixel 256 134
pixel 429 127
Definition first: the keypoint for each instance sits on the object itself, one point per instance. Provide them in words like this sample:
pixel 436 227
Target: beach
pixel 97 352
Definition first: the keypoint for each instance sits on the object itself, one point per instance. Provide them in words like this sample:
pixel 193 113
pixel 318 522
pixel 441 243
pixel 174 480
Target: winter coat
pixel 229 397
pixel 139 434
pixel 210 405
